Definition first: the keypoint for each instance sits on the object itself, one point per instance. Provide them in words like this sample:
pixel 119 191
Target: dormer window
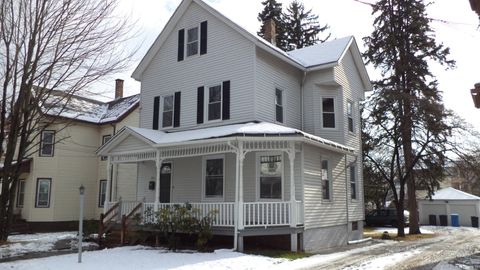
pixel 192 41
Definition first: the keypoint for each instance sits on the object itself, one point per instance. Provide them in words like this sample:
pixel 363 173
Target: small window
pixel 214 178
pixel 353 183
pixel 43 193
pixel 326 192
pixel 102 192
pixel 192 41
pixel 214 105
pixel 47 142
pixel 355 226
pixel 279 105
pixel 350 116
pixel 328 112
pixel 105 139
pixel 20 193
pixel 270 176
pixel 167 111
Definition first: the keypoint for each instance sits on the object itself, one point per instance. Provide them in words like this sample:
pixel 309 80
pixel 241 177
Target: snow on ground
pixel 27 243
pixel 385 261
pixel 393 230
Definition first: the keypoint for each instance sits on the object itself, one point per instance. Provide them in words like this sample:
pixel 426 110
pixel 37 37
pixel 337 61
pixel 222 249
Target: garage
pixel 446 202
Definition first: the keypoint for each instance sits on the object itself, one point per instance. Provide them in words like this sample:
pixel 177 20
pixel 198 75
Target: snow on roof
pixel 247 129
pixel 453 194
pixel 89 110
pixel 320 54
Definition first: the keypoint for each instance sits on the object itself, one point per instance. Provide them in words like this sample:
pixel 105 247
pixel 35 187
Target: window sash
pixel 105 139
pixel 47 141
pixel 270 178
pixel 21 193
pixel 328 112
pixel 214 178
pixel 102 192
pixel 350 116
pixel 167 111
pixel 214 103
pixel 353 183
pixel 325 175
pixel 43 193
pixel 192 41
pixel 279 105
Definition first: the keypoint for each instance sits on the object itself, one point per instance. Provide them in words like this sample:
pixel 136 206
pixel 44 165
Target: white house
pixel 230 122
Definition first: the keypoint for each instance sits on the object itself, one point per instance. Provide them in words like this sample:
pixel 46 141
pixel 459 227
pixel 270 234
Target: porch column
pixel 109 181
pixel 239 225
pixel 293 205
pixel 158 163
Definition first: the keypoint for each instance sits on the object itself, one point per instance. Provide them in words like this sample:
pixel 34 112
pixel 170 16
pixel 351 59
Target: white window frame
pixel 280 105
pixel 162 110
pixel 101 203
pixel 353 176
pixel 52 144
pixel 197 41
pixel 204 175
pixel 105 139
pixel 329 177
pixel 350 115
pixel 206 103
pixel 334 112
pixel 37 193
pixel 257 175
pixel 21 183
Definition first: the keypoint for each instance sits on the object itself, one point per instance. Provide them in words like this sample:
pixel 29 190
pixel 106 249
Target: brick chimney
pixel 118 88
pixel 269 33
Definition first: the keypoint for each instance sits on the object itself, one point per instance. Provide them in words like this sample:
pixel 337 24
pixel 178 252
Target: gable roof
pixel 319 56
pixel 89 110
pixel 453 194
pixel 156 138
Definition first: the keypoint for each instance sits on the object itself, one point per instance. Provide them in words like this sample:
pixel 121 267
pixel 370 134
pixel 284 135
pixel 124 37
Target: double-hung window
pixel 328 112
pixel 20 193
pixel 105 139
pixel 326 182
pixel 192 41
pixel 214 106
pixel 42 198
pixel 47 142
pixel 214 176
pixel 350 116
pixel 279 105
pixel 353 183
pixel 167 111
pixel 102 193
pixel 270 176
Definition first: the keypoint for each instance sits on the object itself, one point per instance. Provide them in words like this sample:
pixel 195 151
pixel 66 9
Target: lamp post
pixel 80 224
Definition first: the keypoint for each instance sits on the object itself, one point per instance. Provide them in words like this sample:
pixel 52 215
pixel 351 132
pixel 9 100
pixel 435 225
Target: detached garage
pixel 447 202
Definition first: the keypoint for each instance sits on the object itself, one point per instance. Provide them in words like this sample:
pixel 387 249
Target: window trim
pixel 257 175
pixel 186 41
pixel 204 175
pixel 350 116
pixel 101 203
pixel 334 112
pixel 162 106
pixel 49 192
pixel 109 136
pixel 40 151
pixel 353 173
pixel 282 105
pixel 206 97
pixel 354 226
pixel 329 177
pixel 17 203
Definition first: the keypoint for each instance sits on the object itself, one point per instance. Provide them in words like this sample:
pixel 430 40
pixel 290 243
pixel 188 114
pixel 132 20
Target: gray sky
pixel 456 27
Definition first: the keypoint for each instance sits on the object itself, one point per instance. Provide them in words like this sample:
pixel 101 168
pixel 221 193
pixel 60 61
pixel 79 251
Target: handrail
pixel 116 205
pixel 135 209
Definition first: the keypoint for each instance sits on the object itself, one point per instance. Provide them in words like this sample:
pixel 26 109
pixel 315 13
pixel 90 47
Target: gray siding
pixel 230 57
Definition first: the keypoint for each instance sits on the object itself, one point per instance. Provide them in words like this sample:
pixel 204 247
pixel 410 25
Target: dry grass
pixel 370 232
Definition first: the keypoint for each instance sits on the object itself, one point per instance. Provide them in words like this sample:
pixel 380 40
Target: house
pixel 48 192
pixel 269 139
pixel 446 202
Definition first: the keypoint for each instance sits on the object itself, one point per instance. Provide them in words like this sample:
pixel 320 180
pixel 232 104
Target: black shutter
pixel 203 37
pixel 156 111
pixel 176 110
pixel 226 100
pixel 181 44
pixel 200 104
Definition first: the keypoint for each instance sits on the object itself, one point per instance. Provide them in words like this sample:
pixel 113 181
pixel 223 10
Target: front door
pixel 165 182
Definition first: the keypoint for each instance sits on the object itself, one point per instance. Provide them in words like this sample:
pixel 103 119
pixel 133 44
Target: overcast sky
pixel 455 25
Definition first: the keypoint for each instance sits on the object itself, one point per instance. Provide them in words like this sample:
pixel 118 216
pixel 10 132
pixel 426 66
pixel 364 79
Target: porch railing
pixel 255 214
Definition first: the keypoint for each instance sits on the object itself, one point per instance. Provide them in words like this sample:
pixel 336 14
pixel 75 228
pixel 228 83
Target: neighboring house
pixel 229 122
pixel 48 192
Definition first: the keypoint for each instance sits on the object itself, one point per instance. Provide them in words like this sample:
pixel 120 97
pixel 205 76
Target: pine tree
pixel 302 27
pixel 273 10
pixel 408 121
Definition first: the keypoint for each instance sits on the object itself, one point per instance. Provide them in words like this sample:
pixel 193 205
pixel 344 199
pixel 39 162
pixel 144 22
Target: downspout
pixel 346 198
pixel 302 98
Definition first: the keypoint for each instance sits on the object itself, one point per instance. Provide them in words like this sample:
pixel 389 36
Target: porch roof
pixel 157 139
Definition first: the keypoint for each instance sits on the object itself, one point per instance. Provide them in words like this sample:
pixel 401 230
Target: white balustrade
pixel 266 214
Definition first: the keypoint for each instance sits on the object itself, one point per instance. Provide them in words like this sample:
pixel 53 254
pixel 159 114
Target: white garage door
pixel 465 211
pixel 432 209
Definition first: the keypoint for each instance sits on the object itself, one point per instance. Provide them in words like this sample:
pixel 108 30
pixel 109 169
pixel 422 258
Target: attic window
pixel 192 41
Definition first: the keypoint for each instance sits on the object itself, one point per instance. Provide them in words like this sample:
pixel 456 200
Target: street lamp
pixel 80 224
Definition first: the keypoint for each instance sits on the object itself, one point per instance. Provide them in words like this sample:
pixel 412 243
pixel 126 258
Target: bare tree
pixel 45 46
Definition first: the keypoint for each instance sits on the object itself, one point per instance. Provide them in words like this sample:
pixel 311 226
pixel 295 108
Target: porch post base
pixel 240 243
pixel 294 242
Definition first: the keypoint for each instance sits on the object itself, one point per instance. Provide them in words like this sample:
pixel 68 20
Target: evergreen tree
pixel 408 124
pixel 302 27
pixel 273 10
